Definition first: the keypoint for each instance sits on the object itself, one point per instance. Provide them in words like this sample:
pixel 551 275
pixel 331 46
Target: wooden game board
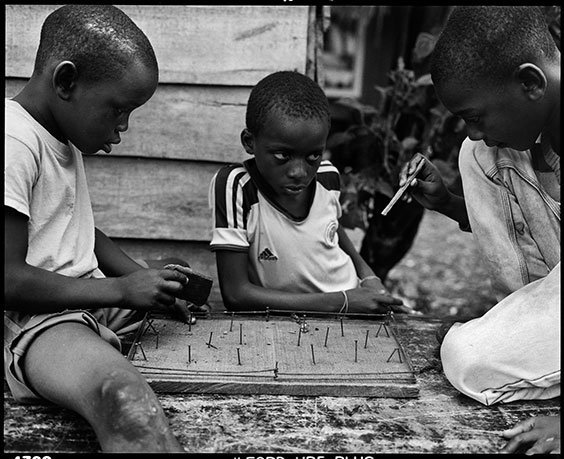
pixel 264 353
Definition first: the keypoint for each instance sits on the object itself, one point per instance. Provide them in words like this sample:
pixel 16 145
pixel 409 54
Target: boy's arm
pixel 362 268
pixel 368 279
pixel 29 289
pixel 112 261
pixel 240 294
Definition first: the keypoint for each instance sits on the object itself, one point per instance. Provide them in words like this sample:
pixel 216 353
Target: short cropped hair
pixel 487 43
pixel 289 93
pixel 101 40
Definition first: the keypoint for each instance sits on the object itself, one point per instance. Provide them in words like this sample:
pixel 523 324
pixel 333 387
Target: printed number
pixel 32 457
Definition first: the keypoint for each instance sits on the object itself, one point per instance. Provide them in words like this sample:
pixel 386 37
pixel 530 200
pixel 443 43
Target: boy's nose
pixel 123 125
pixel 297 169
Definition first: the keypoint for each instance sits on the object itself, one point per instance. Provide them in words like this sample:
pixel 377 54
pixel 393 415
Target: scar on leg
pixel 133 411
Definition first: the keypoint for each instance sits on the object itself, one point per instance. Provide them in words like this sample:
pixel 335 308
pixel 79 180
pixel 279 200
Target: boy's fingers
pixel 403 175
pixel 544 445
pixel 426 188
pixel 405 172
pixel 388 299
pixel 415 162
pixel 165 301
pixel 172 287
pixel 183 269
pixel 402 308
pixel 518 440
pixel 174 275
pixel 411 189
pixel 409 168
pixel 523 426
pixel 183 311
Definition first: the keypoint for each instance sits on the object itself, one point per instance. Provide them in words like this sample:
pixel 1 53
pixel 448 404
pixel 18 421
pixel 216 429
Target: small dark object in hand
pixel 198 288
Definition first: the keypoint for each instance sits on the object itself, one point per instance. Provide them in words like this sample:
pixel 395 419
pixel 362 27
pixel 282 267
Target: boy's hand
pixel 151 289
pixel 374 301
pixel 380 291
pixel 428 188
pixel 373 283
pixel 198 287
pixel 542 431
pixel 181 311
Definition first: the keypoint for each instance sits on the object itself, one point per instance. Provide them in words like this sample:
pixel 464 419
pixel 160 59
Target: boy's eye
pixel 313 157
pixel 281 156
pixel 119 111
pixel 472 120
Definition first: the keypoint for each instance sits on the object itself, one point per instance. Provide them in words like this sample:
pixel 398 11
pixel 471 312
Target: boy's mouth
pixel 107 147
pixel 294 189
pixel 491 144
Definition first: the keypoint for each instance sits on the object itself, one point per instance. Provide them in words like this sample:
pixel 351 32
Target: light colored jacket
pixel 515 222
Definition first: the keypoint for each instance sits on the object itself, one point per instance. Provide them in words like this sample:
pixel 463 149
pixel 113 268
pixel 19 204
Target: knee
pixel 464 364
pixel 129 403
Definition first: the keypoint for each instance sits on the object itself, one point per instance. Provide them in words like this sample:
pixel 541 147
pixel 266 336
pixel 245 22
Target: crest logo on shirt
pixel 331 234
pixel 267 255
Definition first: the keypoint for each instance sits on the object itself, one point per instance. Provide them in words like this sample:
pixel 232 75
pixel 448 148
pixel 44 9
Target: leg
pixel 513 351
pixel 70 365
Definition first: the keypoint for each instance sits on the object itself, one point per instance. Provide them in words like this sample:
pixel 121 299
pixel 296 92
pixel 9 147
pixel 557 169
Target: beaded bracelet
pixel 345 308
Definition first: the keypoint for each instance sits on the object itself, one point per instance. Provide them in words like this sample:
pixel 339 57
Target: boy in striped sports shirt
pixel 276 232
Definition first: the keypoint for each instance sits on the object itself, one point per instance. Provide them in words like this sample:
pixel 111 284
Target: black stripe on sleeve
pixel 236 187
pixel 328 176
pixel 250 197
pixel 220 197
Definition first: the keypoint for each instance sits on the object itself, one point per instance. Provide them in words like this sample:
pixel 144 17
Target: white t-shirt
pixel 285 253
pixel 44 179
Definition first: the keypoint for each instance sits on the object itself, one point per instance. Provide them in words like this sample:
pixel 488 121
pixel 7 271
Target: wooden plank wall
pixel 151 194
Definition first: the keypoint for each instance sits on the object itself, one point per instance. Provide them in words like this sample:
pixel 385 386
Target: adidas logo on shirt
pixel 266 254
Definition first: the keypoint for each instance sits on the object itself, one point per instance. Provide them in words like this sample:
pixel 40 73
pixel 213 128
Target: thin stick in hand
pixel 402 190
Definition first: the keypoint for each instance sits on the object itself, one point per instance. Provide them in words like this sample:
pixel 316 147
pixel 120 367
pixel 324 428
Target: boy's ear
pixel 64 79
pixel 532 79
pixel 248 141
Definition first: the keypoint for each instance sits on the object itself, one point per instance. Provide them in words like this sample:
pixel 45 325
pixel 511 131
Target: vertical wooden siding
pixel 150 194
